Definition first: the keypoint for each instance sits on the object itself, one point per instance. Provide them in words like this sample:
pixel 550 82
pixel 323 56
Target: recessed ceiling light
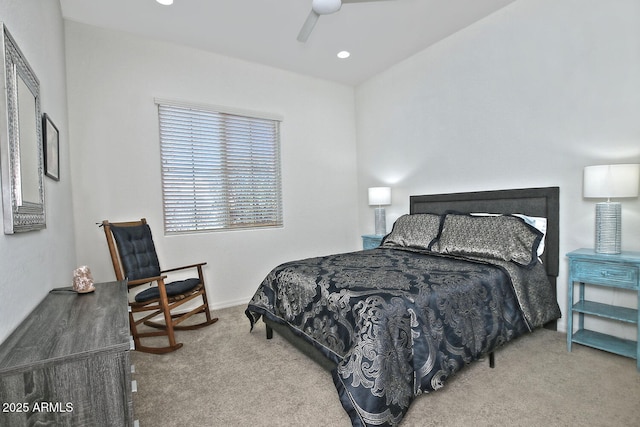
pixel 165 2
pixel 344 54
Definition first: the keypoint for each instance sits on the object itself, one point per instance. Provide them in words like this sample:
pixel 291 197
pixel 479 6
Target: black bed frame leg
pixel 492 360
pixel 269 332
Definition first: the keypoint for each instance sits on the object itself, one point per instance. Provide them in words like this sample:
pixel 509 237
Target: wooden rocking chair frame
pixel 163 305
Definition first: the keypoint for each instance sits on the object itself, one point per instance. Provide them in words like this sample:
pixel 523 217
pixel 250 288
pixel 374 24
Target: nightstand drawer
pixel 625 276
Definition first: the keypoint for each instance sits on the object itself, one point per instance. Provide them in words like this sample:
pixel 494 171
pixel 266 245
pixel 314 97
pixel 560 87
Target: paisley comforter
pixel 398 322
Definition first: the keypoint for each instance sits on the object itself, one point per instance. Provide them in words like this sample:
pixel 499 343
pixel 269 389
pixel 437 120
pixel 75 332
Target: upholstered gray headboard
pixel 541 202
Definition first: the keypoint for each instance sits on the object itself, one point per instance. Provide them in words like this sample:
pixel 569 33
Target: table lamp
pixel 380 196
pixel 607 182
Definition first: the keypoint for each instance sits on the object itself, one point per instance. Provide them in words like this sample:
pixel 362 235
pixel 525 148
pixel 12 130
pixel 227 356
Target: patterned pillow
pixel 540 223
pixel 415 231
pixel 505 237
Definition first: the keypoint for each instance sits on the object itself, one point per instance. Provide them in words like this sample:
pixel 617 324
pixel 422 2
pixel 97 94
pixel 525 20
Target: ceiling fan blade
pixel 306 29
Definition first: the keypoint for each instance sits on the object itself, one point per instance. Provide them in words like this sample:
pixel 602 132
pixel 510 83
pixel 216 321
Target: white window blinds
pixel 220 171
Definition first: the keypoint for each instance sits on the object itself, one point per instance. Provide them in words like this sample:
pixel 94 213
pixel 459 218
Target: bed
pixel 457 278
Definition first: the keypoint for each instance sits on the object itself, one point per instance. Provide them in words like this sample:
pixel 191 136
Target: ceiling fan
pixel 323 7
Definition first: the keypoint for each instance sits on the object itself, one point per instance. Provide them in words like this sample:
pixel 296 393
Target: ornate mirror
pixel 20 142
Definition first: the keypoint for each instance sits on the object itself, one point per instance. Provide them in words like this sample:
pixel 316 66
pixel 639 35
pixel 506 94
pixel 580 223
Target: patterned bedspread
pixel 399 322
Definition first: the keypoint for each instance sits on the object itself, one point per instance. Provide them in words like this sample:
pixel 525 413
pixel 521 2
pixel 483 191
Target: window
pixel 220 170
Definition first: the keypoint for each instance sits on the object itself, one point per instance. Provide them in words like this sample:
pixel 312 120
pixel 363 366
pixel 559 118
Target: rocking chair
pixel 134 259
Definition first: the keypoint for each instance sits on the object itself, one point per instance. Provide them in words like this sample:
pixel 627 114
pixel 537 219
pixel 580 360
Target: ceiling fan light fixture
pixel 319 8
pixel 326 7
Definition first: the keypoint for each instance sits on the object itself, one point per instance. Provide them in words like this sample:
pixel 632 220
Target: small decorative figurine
pixel 82 280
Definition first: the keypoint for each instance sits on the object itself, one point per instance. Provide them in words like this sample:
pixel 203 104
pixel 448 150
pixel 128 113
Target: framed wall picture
pixel 51 148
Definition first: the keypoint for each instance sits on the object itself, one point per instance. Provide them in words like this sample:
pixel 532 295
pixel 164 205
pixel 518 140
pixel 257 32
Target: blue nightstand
pixel 371 241
pixel 612 271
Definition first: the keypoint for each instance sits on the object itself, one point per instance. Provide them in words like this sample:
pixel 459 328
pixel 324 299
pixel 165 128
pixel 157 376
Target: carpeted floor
pixel 226 376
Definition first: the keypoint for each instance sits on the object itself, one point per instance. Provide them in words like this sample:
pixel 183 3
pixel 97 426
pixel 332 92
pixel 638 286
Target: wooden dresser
pixel 67 363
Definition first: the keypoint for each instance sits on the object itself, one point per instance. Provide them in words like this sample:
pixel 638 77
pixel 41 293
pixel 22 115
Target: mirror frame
pixel 19 215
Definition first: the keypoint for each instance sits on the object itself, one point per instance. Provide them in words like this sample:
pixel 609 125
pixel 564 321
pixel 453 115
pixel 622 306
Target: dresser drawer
pixel 625 276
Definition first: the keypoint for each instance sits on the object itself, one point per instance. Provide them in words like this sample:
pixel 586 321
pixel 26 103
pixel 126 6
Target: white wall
pixel 32 263
pixel 113 79
pixel 524 98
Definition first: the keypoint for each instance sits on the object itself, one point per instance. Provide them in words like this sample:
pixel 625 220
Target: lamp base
pixel 608 227
pixel 381 222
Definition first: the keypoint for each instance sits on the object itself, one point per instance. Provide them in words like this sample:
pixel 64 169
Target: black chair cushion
pixel 173 289
pixel 137 251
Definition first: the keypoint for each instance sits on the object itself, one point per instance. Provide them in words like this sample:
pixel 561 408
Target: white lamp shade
pixel 379 196
pixel 611 181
